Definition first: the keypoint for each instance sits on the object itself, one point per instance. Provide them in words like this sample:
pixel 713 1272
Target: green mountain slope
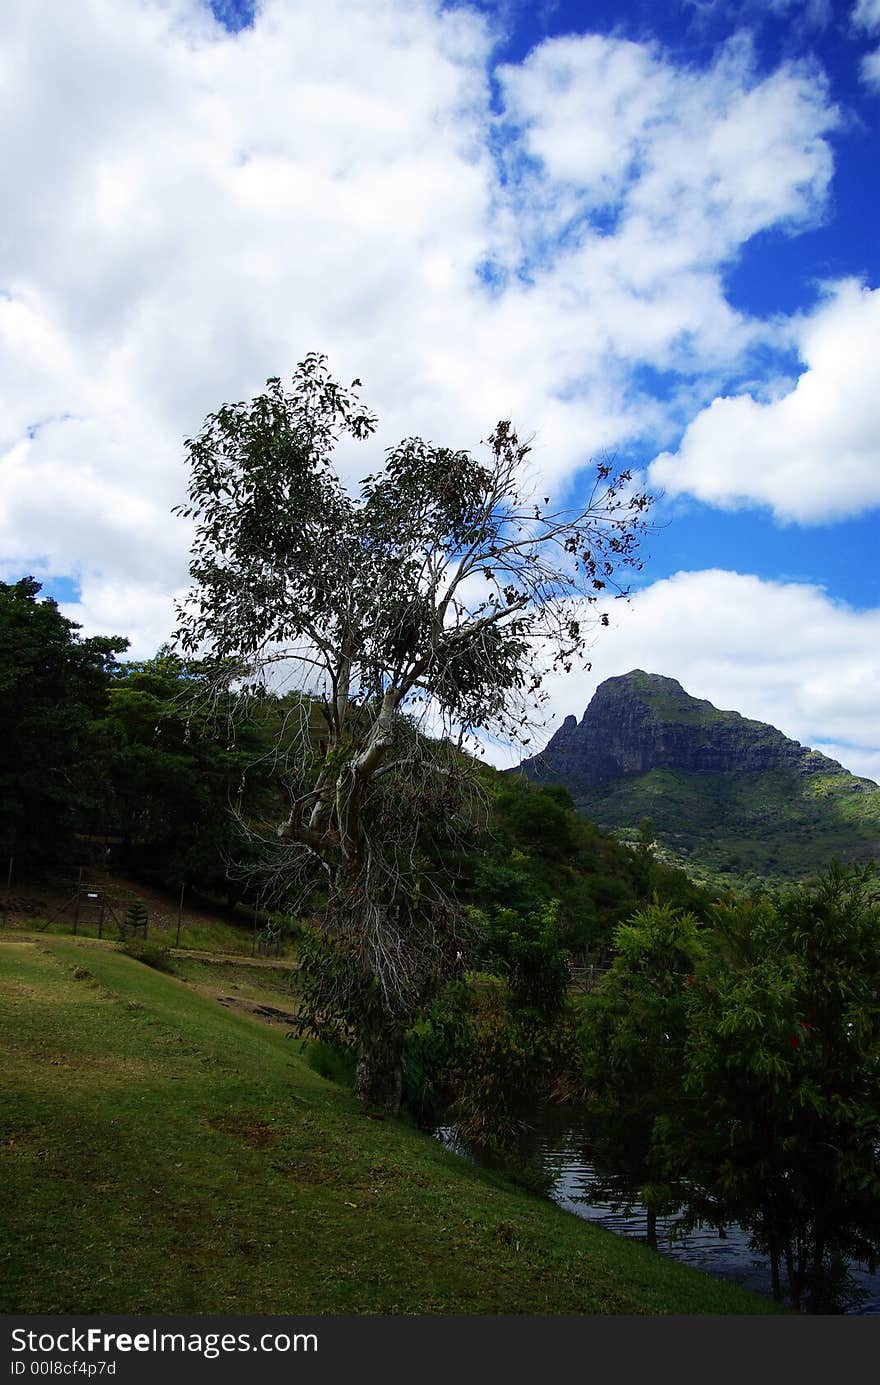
pixel 729 798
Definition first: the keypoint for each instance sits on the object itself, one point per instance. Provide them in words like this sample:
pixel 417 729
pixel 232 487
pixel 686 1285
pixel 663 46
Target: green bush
pixel 150 953
pixel 328 1060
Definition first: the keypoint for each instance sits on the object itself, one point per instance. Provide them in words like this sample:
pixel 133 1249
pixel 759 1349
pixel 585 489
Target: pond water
pixel 558 1140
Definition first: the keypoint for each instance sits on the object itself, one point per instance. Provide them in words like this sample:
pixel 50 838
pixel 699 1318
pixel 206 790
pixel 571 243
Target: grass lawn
pixel 163 1154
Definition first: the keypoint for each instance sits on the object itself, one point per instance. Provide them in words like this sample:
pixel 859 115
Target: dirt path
pixel 241 960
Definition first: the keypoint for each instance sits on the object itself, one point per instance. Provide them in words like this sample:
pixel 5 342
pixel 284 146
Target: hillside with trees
pixel 310 747
pixel 731 800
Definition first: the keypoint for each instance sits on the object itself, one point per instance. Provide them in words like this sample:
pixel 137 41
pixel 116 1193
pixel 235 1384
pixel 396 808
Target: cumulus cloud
pixel 870 69
pixel 866 18
pixel 688 165
pixel 780 652
pixel 614 121
pixel 811 455
pixel 196 209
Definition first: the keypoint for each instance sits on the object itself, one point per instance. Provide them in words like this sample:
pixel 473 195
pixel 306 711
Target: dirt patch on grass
pixel 31 995
pixel 311 1175
pixel 252 1132
pixel 80 1071
pixel 269 1013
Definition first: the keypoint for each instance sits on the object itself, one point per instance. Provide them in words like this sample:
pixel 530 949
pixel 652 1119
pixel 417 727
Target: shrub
pixel 136 916
pixel 150 953
pixel 328 1060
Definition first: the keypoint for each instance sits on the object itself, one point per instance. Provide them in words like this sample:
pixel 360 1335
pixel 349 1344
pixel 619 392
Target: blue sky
pixel 774 272
pixel 634 228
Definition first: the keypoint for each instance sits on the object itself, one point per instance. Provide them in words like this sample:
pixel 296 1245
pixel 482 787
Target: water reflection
pixel 558 1139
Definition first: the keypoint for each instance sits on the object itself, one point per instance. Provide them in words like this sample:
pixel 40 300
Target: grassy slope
pixel 161 1154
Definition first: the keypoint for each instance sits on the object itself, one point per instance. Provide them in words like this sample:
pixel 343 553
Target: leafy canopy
pixel 52 683
pixel 435 580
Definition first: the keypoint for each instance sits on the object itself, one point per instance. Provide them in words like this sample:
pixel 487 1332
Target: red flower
pixel 794 1041
pixel 805 1024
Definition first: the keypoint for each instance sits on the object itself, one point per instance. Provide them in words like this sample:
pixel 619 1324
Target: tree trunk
pixel 651 1231
pixel 774 1267
pixel 794 1278
pixel 378 1077
pixel 818 1301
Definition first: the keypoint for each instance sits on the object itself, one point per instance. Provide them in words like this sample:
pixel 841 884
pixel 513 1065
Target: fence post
pixel 179 914
pixel 78 897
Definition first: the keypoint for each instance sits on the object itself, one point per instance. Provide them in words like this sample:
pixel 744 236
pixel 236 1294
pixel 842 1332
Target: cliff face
pixel 641 722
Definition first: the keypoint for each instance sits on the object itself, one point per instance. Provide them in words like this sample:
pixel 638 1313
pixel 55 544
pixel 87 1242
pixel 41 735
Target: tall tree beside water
pixel 424 595
pixel 782 1081
pixel 634 1027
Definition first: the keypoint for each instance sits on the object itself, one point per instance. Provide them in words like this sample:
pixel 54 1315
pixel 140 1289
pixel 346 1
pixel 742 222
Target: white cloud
pixel 195 210
pixel 813 454
pixel 778 652
pixel 108 607
pixel 866 16
pixel 702 158
pixel 869 69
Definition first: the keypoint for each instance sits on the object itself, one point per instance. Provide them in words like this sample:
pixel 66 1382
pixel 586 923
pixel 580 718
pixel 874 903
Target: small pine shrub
pixel 136 916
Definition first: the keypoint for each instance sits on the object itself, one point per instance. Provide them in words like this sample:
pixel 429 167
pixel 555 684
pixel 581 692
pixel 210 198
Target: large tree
pixel 414 613
pixel 52 683
pixel 634 1030
pixel 168 771
pixel 782 1080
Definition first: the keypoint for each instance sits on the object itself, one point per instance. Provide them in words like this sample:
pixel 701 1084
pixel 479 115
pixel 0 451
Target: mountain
pixel 729 798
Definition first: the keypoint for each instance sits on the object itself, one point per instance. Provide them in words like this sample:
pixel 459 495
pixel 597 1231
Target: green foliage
pixel 436 1051
pixel 529 911
pixel 330 1061
pixel 633 1032
pixel 735 1070
pixel 52 683
pixel 782 1080
pixel 334 991
pixel 745 829
pixel 597 882
pixel 508 1058
pixel 527 950
pixel 172 772
pixel 541 819
pixel 151 953
pixel 500 1039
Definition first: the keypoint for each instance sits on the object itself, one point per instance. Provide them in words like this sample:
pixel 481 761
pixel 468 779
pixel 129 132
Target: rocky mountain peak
pixel 641 721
